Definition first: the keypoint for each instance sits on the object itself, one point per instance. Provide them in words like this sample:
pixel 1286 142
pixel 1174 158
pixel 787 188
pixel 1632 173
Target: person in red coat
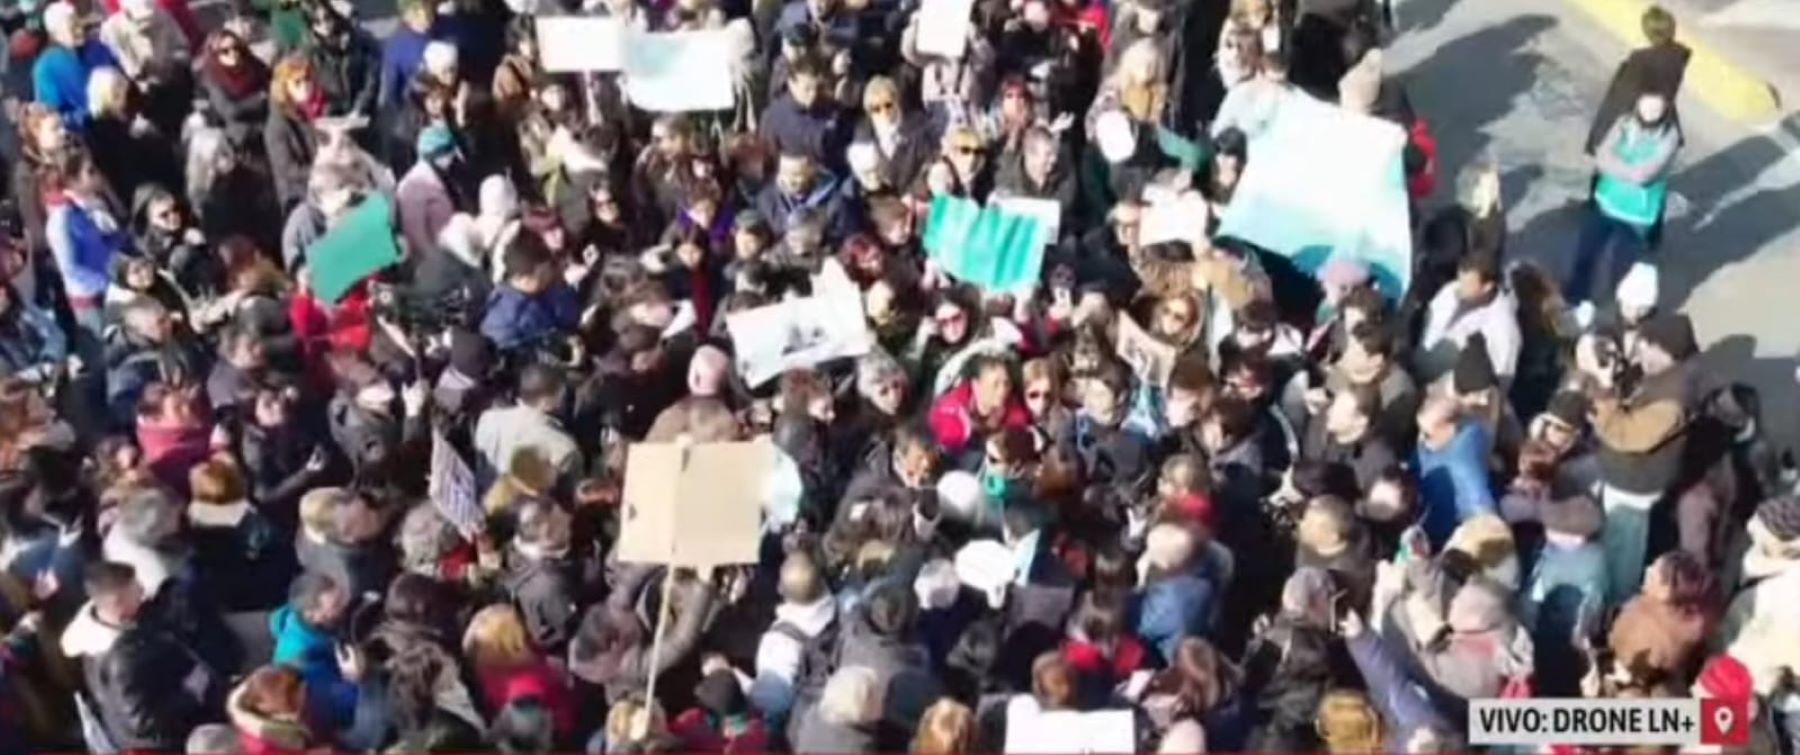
pixel 978 407
pixel 509 668
pixel 1101 649
pixel 723 722
pixel 269 712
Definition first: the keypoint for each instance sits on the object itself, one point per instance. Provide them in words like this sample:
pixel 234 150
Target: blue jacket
pixel 515 320
pixel 815 133
pixel 32 345
pixel 1404 704
pixel 314 654
pixel 401 57
pixel 778 208
pixel 84 253
pixel 59 77
pixel 1173 607
pixel 1453 482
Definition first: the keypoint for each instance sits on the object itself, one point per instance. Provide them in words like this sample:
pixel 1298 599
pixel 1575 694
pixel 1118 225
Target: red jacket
pixel 952 417
pixel 697 733
pixel 1087 658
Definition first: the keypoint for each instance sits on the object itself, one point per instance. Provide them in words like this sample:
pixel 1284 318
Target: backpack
pixel 818 658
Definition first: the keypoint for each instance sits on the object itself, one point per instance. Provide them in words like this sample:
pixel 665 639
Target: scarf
pixel 245 79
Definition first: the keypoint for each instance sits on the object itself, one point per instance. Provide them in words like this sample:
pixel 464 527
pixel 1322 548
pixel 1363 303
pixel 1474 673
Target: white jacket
pixel 1445 332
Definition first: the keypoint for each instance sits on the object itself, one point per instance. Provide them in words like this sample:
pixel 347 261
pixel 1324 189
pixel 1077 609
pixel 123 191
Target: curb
pixel 1730 89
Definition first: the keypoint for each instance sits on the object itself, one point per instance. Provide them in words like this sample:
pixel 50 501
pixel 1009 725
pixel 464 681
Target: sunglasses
pixel 970 151
pixel 1037 395
pixel 882 107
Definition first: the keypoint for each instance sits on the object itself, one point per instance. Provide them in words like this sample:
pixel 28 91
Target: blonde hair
pixel 496 638
pixel 852 697
pixel 880 89
pixel 1347 722
pixel 947 727
pixel 216 481
pixel 106 91
pixel 318 509
pixel 1142 63
pixel 292 68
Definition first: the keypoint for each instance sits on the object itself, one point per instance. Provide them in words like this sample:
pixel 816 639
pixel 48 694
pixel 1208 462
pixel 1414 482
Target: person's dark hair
pixel 1258 314
pixel 1114 570
pixel 1231 142
pixel 1482 262
pixel 981 364
pixel 69 164
pixel 416 599
pixel 807 65
pixel 538 382
pixel 1693 588
pixel 1199 675
pixel 1658 25
pixel 525 254
pixel 892 608
pixel 107 578
pixel 309 589
pixel 524 725
pixel 1192 373
pixel 1236 417
pixel 1255 367
pixel 1101 616
pixel 1375 338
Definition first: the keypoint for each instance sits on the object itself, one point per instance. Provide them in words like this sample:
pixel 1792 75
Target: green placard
pixel 361 243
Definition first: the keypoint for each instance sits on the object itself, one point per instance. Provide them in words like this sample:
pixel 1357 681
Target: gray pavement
pixel 1517 82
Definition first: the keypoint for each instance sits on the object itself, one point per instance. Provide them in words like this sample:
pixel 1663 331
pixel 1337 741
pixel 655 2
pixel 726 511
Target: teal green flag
pixel 361 243
pixel 996 249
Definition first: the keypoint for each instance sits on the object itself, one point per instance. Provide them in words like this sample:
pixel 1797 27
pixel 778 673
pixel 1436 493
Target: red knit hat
pixel 1726 678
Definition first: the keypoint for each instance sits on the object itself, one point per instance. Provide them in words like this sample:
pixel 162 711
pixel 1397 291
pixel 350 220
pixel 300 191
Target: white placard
pixel 1104 731
pixel 678 72
pixel 801 332
pixel 580 44
pixel 944 27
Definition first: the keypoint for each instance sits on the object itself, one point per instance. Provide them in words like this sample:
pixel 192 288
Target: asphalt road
pixel 1517 82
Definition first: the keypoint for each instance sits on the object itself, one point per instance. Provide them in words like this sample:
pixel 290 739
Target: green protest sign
pixel 992 247
pixel 361 243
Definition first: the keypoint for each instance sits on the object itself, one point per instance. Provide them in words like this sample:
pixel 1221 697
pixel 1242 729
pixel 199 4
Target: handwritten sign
pixel 452 488
pixel 1151 360
pixel 801 332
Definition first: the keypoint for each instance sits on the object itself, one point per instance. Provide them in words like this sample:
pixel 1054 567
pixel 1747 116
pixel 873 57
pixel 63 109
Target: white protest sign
pixel 1324 182
pixel 801 332
pixel 1048 213
pixel 1173 216
pixel 452 488
pixel 1151 360
pixel 682 71
pixel 694 505
pixel 1103 731
pixel 944 27
pixel 580 44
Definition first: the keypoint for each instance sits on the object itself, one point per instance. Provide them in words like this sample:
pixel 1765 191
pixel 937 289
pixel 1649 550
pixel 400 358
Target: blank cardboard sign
pixel 694 505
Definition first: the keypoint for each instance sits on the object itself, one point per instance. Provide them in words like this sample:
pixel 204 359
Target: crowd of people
pixel 1340 514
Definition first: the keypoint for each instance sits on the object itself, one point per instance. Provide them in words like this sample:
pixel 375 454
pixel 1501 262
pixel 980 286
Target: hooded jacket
pixel 329 695
pixel 1448 325
pixel 544 590
pixel 265 735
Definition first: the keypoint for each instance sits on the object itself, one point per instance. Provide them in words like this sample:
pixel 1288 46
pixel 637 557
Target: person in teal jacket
pixel 1633 162
pixel 304 632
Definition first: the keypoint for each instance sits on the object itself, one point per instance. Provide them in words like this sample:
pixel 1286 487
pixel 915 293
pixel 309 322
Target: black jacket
pixel 350 77
pixel 544 591
pixel 151 690
pixel 291 145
